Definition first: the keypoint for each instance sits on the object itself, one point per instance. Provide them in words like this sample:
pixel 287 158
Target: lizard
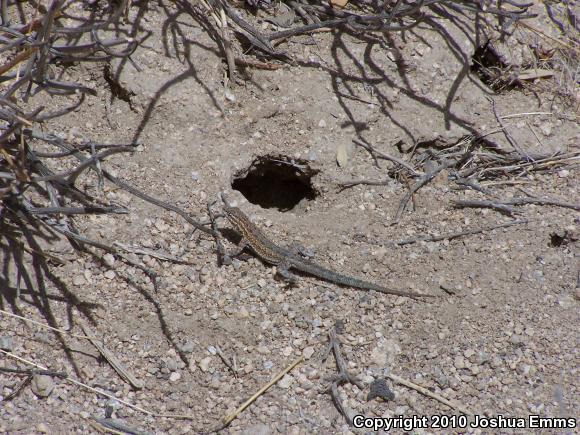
pixel 254 239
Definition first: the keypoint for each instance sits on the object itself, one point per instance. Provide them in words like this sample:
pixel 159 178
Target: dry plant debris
pixel 483 215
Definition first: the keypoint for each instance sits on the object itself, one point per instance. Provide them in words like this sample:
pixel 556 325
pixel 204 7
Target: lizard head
pixel 234 214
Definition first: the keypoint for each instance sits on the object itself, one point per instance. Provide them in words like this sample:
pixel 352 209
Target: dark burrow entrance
pixel 491 69
pixel 276 182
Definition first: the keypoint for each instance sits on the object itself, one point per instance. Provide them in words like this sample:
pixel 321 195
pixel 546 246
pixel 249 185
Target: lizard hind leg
pixel 283 269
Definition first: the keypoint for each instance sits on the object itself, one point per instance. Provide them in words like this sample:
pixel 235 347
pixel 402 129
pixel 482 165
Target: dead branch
pixel 343 376
pixel 456 235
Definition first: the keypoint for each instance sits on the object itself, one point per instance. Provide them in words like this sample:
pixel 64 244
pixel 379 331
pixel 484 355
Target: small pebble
pixel 308 352
pixel 379 356
pixel 6 343
pixel 379 388
pixel 174 376
pixel 109 274
pixel 229 95
pixel 459 362
pixel 564 173
pixel 286 382
pixel 109 259
pixel 79 280
pixel 204 364
pixel 187 347
pixel 42 385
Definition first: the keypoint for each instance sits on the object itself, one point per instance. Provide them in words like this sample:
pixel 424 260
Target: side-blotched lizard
pixel 254 239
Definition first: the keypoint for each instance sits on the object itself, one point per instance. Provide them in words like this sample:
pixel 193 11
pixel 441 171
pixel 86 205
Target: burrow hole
pixel 277 181
pixel 491 69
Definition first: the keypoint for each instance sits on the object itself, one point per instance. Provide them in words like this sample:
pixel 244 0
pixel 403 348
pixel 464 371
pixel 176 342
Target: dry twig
pixel 229 418
pixel 343 376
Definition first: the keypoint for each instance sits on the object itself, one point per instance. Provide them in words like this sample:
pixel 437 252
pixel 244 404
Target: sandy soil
pixel 501 338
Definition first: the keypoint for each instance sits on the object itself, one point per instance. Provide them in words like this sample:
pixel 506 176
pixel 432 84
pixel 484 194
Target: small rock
pixel 459 362
pixel 171 364
pixel 79 280
pixel 187 347
pixel 109 259
pixel 379 388
pixel 6 343
pixel 379 356
pixel 161 226
pixel 42 428
pixel 174 376
pixel 322 123
pixel 496 362
pixel 42 385
pixel 308 352
pixel 546 129
pixel 109 274
pixel 286 382
pixel 268 365
pixel 204 364
pixel 517 340
pixel 564 173
pixel 229 95
pixel 433 353
pixel 191 274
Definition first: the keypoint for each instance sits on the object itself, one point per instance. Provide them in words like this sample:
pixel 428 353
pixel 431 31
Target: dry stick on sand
pixel 426 178
pixel 344 376
pixel 505 206
pixel 451 236
pixel 352 183
pixel 507 134
pixel 374 153
pixel 115 426
pixel 229 418
pixel 103 393
pixel 422 181
pixel 113 361
pixel 17 388
pixel 122 184
pixel 44 325
pixel 495 205
pixel 426 392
